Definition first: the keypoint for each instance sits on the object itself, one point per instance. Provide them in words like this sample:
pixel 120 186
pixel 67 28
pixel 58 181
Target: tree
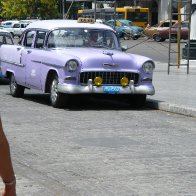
pixel 22 9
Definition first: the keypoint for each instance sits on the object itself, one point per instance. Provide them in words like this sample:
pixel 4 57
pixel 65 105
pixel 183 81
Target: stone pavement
pixel 174 92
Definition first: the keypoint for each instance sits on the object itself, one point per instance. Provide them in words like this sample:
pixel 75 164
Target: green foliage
pixel 22 9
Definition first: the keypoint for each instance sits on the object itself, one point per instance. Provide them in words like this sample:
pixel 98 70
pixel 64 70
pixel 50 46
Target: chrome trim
pixel 110 65
pixel 70 78
pixel 37 61
pixel 108 53
pixel 90 88
pixel 50 64
pixel 13 63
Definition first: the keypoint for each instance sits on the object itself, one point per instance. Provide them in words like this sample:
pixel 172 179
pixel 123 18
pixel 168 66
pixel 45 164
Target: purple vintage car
pixel 63 57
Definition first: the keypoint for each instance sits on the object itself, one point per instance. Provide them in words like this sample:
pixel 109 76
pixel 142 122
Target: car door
pixel 32 61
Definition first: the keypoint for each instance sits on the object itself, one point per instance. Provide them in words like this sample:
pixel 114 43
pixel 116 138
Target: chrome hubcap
pixel 54 92
pixel 13 84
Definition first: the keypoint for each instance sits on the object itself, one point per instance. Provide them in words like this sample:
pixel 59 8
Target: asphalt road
pixel 158 51
pixel 97 148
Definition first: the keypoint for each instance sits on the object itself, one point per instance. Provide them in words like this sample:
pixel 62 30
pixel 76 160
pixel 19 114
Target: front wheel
pixel 57 99
pixel 15 89
pixel 135 37
pixel 126 36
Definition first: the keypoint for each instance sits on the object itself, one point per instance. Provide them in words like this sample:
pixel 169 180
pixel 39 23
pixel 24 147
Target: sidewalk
pixel 175 92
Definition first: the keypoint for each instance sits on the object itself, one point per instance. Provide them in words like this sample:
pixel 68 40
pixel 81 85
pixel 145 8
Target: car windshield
pixel 81 37
pixel 127 23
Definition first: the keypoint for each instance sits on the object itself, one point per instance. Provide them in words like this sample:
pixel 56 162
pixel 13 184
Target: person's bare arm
pixel 6 168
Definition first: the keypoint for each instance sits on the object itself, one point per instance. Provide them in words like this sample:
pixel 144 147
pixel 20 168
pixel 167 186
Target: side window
pixel 39 43
pixel 23 25
pixel 166 24
pixel 8 24
pixel 29 39
pixel 16 26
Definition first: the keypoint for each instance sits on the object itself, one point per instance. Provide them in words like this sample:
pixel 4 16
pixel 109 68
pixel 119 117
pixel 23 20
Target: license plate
pixel 111 89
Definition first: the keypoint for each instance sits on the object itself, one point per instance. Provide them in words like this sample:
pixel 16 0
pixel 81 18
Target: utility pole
pixel 135 3
pixel 178 33
pixel 95 17
pixel 63 7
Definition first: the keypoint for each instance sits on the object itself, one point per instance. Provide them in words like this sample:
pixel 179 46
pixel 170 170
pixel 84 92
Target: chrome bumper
pixel 90 88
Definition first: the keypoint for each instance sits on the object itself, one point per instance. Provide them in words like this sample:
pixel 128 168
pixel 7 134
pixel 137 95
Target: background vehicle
pixel 139 16
pixel 9 23
pixel 17 29
pixel 130 24
pixel 124 31
pixel 161 32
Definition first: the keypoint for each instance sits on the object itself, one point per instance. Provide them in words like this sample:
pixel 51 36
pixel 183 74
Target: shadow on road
pixel 88 102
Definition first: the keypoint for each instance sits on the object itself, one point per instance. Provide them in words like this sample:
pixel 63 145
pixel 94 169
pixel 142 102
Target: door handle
pixel 29 51
pixel 18 49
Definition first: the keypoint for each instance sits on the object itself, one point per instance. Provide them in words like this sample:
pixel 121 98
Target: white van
pixel 17 29
pixel 9 23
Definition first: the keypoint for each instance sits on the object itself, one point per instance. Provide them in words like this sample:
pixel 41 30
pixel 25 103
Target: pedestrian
pixel 6 168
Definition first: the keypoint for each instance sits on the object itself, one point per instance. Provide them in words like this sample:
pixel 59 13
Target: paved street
pixel 99 147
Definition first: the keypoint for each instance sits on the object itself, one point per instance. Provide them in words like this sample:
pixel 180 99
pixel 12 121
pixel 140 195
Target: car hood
pixel 92 58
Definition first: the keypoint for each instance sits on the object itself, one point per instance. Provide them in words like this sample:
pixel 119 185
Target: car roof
pixel 9 21
pixel 61 23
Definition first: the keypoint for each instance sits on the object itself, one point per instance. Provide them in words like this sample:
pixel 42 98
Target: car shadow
pixel 4 81
pixel 88 102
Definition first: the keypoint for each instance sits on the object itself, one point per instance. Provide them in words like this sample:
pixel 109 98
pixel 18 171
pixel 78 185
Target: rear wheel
pixel 57 99
pixel 157 38
pixel 15 89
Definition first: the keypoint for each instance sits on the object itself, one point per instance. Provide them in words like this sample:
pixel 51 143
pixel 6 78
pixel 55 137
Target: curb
pixel 173 108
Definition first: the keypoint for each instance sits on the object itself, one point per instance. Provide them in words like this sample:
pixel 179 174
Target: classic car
pixel 123 31
pixel 54 56
pixel 161 32
pixel 129 23
pixel 5 38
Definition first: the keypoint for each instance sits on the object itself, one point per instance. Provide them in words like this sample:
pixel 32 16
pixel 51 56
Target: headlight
pixel 124 81
pixel 98 81
pixel 148 67
pixel 72 65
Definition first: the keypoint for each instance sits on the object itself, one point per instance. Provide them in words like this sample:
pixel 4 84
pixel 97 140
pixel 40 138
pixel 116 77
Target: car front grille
pixel 108 77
